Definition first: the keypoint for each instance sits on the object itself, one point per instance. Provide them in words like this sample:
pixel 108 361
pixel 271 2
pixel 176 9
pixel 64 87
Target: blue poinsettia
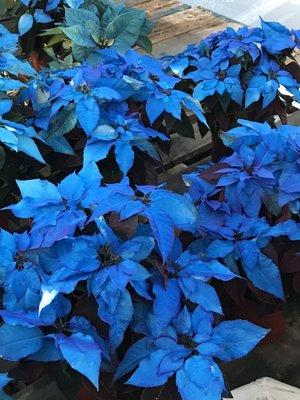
pixel 56 210
pixel 163 97
pixel 8 61
pixel 179 63
pixel 249 173
pixel 265 81
pixel 88 97
pixel 189 275
pixel 240 238
pixel 164 210
pixel 277 38
pixel 16 136
pixel 21 277
pixel 203 193
pixel 122 130
pixel 221 78
pixel 83 348
pixel 118 266
pixel 187 348
pixel 280 149
pixel 237 43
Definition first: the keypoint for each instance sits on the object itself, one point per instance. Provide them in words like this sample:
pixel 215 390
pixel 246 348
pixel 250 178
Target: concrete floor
pixel 285 11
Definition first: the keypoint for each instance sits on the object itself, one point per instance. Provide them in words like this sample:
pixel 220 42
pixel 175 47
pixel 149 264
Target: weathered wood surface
pixel 177 24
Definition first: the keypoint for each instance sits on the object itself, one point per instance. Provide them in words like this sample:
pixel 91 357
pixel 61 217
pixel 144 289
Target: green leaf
pixel 80 52
pixel 78 16
pixel 94 29
pixel 144 43
pixel 147 27
pixel 125 28
pixel 63 122
pixel 52 31
pixel 56 39
pixel 79 35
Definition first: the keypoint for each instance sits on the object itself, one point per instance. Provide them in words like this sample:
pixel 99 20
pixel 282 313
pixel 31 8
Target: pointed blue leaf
pixel 18 341
pixel 154 108
pixel 124 156
pixel 167 302
pixel 88 113
pixel 150 372
pixel 233 339
pixel 133 356
pixel 266 276
pixel 82 353
pixel 200 378
pixel 163 229
pixel 5 106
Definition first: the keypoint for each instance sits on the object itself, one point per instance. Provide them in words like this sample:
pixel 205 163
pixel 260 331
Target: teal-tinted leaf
pixel 74 3
pixel 144 43
pixel 80 52
pixel 63 122
pixel 58 143
pixel 80 16
pixel 79 35
pixel 125 28
pixel 28 146
pixel 94 29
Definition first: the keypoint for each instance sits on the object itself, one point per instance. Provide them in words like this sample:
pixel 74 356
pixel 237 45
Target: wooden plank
pixel 136 3
pixel 178 43
pixel 183 22
pixel 154 5
pixel 170 10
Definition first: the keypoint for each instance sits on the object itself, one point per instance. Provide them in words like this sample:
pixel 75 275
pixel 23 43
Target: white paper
pixel 266 389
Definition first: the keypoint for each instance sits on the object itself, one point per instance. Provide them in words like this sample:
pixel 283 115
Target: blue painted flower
pixel 19 137
pixel 122 130
pixel 21 278
pixel 163 97
pixel 189 275
pixel 87 97
pixel 187 348
pixel 277 38
pixel 56 210
pixel 221 78
pixel 118 266
pixel 265 81
pixel 248 173
pixel 241 238
pixel 237 43
pixel 164 210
